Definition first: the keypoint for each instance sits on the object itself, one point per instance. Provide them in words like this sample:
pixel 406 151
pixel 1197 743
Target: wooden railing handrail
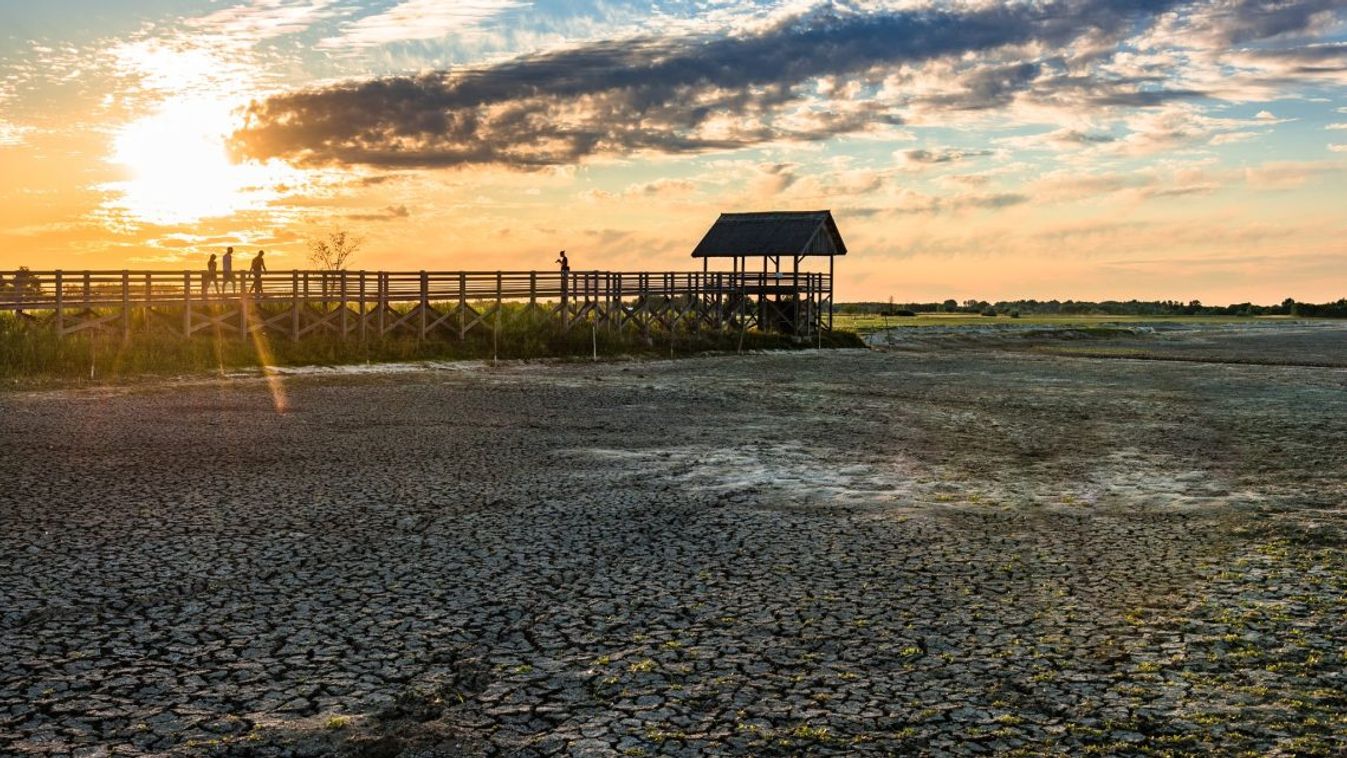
pixel 31 289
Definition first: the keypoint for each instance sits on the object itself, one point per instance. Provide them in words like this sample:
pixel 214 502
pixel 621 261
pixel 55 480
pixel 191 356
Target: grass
pixel 865 323
pixel 32 355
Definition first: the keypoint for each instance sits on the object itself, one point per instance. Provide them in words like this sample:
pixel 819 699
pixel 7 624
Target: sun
pixel 179 170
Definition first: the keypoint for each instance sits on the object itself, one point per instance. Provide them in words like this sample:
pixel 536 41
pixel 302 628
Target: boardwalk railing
pixel 366 303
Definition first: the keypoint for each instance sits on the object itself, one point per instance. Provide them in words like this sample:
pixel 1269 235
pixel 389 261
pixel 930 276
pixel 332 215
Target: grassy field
pixel 33 355
pixel 866 323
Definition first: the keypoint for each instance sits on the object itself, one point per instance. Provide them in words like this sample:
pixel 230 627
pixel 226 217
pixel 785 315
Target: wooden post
pixel 243 310
pixel 565 307
pixel 645 305
pixel 617 298
pixel 364 316
pixel 126 304
pixel 381 285
pixel 342 304
pixel 533 288
pixel 495 333
pixel 60 300
pixel 187 304
pixel 795 298
pixel 830 293
pixel 462 305
pixel 720 302
pixel 425 303
pixel 294 302
pixel 743 305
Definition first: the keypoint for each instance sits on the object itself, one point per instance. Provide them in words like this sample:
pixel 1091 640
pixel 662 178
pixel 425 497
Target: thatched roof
pixel 775 233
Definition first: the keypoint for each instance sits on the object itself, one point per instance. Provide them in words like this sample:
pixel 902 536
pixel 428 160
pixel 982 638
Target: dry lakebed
pixel 1015 542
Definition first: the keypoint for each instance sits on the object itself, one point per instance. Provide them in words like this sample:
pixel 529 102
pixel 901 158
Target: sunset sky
pixel 1082 149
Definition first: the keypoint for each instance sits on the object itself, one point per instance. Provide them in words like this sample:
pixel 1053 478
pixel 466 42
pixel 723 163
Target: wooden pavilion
pixel 772 236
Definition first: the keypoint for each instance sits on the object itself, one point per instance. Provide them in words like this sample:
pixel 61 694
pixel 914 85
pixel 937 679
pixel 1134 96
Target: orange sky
pixel 1043 165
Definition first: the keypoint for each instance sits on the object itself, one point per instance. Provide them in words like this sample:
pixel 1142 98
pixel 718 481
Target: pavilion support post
pixel 795 298
pixel 830 293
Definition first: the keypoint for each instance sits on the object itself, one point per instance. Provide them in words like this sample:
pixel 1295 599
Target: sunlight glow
pixel 180 170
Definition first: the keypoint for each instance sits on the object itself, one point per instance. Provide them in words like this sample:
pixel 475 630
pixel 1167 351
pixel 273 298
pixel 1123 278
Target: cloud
pixel 941 155
pixel 1337 126
pixel 264 19
pixel 912 203
pixel 689 93
pixel 13 135
pixel 1232 22
pixel 1183 191
pixel 1059 139
pixel 1317 58
pixel 1281 175
pixel 387 214
pixel 661 188
pixel 1337 148
pixel 412 20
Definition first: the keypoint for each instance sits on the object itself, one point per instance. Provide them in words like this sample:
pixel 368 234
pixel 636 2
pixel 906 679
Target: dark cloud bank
pixel 686 94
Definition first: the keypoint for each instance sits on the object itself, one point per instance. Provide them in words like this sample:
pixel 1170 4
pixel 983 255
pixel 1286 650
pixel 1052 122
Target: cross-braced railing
pixel 377 303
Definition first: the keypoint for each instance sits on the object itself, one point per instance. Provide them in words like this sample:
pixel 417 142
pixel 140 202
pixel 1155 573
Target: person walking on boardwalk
pixel 228 266
pixel 209 279
pixel 259 267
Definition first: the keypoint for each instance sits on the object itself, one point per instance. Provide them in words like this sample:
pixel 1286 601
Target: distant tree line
pixel 1287 307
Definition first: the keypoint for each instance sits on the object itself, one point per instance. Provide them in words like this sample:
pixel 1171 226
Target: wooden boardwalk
pixel 364 304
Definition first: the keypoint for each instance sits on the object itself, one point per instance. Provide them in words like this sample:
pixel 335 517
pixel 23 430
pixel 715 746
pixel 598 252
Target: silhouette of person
pixel 209 279
pixel 258 267
pixel 228 266
pixel 565 276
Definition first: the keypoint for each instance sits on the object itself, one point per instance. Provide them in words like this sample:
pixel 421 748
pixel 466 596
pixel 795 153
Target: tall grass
pixel 31 353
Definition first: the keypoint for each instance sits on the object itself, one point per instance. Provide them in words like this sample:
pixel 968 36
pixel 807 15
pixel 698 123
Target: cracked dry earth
pixel 955 549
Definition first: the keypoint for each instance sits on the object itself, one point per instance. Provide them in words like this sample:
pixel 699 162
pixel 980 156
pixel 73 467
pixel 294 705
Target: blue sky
pixel 1067 148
